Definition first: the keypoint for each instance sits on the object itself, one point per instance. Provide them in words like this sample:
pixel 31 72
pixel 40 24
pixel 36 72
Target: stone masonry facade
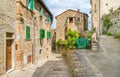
pixel 70 19
pixel 101 8
pixel 7 25
pixel 14 20
pixel 115 18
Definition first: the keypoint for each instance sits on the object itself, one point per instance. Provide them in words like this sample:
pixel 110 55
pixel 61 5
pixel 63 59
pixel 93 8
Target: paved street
pixel 105 62
pixel 53 69
pixel 102 63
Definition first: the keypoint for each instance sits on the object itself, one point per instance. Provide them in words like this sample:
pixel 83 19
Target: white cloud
pixel 59 6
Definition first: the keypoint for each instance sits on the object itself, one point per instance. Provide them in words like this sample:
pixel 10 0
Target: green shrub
pixel 60 42
pixel 108 33
pixel 107 23
pixel 65 42
pixel 118 34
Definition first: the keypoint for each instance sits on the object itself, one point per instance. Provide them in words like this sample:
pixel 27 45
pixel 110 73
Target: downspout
pixel 100 27
pixel 33 45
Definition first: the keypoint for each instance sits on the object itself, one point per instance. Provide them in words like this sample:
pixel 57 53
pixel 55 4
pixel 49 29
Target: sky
pixel 58 6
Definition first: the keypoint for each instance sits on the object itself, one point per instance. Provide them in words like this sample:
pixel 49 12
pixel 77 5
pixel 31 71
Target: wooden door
pixel 8 54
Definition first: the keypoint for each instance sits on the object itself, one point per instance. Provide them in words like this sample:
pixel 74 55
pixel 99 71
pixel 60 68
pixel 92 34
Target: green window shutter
pixel 48 35
pixel 31 5
pixel 42 33
pixel 28 32
pixel 48 18
pixel 41 11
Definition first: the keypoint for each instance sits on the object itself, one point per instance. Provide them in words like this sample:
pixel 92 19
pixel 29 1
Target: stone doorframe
pixel 13 51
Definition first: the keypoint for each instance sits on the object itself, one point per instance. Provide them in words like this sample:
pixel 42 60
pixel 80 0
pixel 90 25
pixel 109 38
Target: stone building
pixel 7 35
pixel 53 31
pixel 25 35
pixel 100 8
pixel 75 20
pixel 115 19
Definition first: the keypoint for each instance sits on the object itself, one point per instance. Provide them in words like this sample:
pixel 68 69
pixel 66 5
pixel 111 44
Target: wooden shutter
pixel 28 32
pixel 31 5
pixel 48 35
pixel 42 33
pixel 41 11
pixel 48 18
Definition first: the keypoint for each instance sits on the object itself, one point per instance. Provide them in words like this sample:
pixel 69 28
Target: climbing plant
pixel 107 23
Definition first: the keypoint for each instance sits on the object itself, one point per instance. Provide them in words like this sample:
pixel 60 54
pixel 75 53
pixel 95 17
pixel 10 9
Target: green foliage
pixel 90 35
pixel 118 8
pixel 65 42
pixel 72 36
pixel 70 42
pixel 60 42
pixel 94 29
pixel 71 33
pixel 107 23
pixel 108 33
pixel 118 34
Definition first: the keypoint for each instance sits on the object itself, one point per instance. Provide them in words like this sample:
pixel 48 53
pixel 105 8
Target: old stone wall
pixel 26 45
pixel 7 24
pixel 96 15
pixel 115 19
pixel 62 21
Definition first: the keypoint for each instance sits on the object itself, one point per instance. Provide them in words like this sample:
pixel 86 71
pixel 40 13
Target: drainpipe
pixel 100 27
pixel 33 45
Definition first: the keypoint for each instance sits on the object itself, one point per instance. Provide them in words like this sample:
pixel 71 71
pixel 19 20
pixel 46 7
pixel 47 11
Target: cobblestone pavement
pixel 53 69
pixel 106 61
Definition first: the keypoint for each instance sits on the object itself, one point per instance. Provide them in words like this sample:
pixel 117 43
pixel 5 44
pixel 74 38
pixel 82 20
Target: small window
pixel 48 35
pixel 28 32
pixel 30 4
pixel 78 19
pixel 70 20
pixel 48 18
pixel 9 35
pixel 41 11
pixel 42 33
pixel 106 4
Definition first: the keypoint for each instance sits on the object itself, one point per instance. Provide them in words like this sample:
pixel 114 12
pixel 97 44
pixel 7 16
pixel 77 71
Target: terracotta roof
pixel 71 10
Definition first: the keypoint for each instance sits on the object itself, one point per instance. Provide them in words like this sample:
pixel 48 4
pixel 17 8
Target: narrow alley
pixel 60 38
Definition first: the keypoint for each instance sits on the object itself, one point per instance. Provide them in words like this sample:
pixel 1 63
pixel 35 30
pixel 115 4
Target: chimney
pixel 78 10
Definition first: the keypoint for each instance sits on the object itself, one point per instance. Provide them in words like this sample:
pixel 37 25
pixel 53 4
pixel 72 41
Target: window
pixel 28 32
pixel 42 33
pixel 48 35
pixel 95 8
pixel 41 11
pixel 48 18
pixel 30 4
pixel 106 4
pixel 9 35
pixel 78 19
pixel 70 20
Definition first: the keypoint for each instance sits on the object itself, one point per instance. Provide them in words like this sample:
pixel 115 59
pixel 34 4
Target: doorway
pixel 9 43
